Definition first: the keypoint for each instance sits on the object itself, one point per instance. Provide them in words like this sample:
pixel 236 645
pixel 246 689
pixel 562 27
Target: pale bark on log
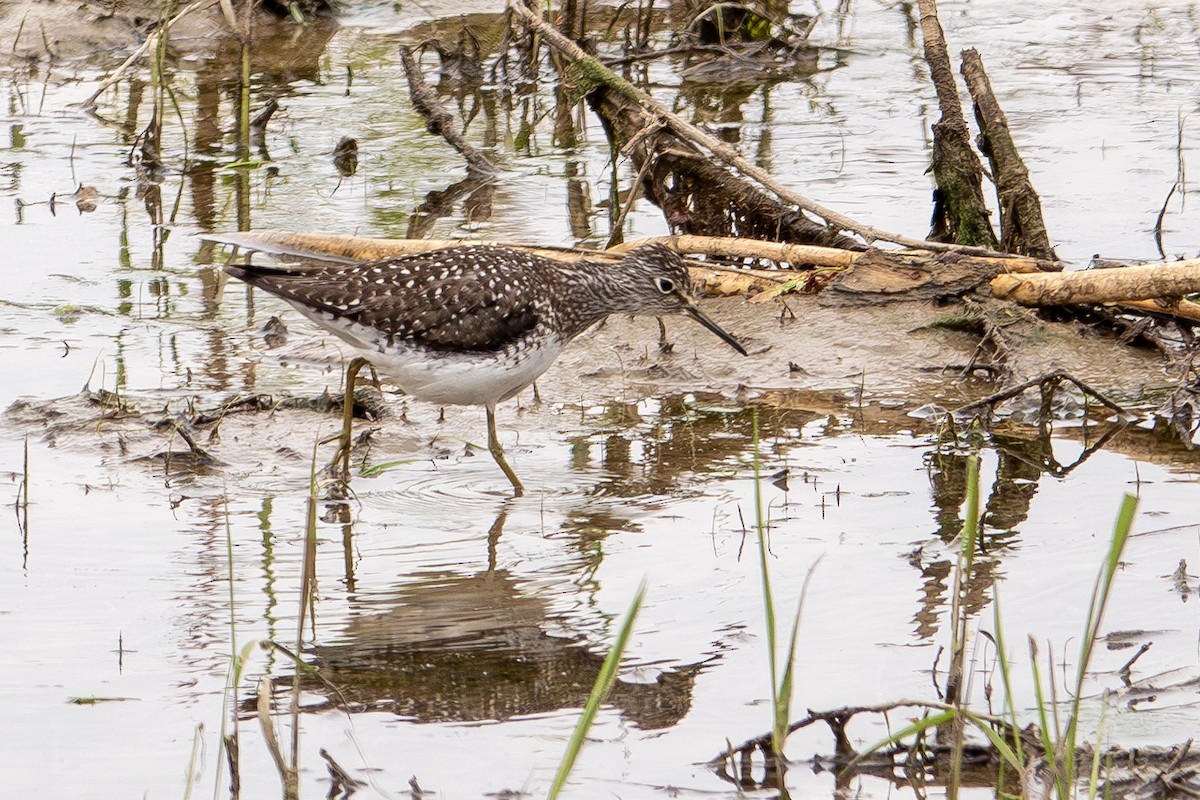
pixel 1175 308
pixel 708 278
pixel 1116 285
pixel 1022 228
pixel 812 255
pixel 726 282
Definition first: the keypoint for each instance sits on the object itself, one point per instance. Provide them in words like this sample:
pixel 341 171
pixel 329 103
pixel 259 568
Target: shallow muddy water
pixel 464 628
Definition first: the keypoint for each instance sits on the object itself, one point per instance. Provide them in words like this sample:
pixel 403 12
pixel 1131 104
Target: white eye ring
pixel 665 285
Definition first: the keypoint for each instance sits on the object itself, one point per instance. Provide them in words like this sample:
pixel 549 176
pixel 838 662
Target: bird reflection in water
pixel 459 647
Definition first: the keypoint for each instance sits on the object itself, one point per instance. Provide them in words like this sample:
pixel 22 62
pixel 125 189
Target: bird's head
pixel 662 284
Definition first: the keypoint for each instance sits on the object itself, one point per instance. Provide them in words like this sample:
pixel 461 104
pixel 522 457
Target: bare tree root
pixel 591 75
pixel 1140 773
pixel 1048 384
pixel 959 212
pixel 1022 227
pixel 438 120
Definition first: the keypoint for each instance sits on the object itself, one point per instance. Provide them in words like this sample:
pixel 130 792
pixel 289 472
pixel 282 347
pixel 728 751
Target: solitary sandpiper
pixel 475 324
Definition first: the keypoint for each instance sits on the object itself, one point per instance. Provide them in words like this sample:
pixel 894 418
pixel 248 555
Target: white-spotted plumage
pixel 474 325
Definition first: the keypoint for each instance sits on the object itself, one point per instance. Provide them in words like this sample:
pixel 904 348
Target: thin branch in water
pixel 1158 222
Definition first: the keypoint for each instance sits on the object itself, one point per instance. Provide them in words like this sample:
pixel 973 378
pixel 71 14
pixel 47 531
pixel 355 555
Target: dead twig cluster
pixel 1144 773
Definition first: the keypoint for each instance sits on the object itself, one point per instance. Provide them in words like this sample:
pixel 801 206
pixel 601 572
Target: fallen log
pixel 1115 285
pixel 801 255
pixel 708 278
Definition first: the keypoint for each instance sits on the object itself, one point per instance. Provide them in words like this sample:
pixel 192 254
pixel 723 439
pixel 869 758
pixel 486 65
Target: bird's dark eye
pixel 665 285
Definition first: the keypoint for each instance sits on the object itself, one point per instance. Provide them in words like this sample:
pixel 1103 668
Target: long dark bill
pixel 704 320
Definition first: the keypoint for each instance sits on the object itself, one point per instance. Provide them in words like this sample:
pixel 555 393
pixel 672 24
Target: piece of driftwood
pixel 591 74
pixel 1022 227
pixel 959 212
pixel 1116 285
pixel 801 255
pixel 885 274
pixel 710 279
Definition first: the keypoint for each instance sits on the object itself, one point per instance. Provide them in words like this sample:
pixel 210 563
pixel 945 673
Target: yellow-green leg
pixel 498 453
pixel 663 343
pixel 343 453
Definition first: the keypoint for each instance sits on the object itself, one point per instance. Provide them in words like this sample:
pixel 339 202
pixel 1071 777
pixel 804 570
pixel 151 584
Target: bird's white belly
pixel 468 378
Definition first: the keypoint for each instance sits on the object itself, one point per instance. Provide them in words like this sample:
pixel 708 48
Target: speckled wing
pixel 466 298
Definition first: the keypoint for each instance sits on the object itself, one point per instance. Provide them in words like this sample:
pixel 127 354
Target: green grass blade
pixel 1097 753
pixel 960 623
pixel 1103 587
pixel 783 699
pixel 966 564
pixel 1101 592
pixel 764 571
pixel 941 718
pixel 1006 679
pixel 378 469
pixel 236 661
pixel 193 768
pixel 1045 712
pixel 1006 752
pixel 600 689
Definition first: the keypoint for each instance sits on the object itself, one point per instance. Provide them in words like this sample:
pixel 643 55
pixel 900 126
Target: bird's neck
pixel 591 291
